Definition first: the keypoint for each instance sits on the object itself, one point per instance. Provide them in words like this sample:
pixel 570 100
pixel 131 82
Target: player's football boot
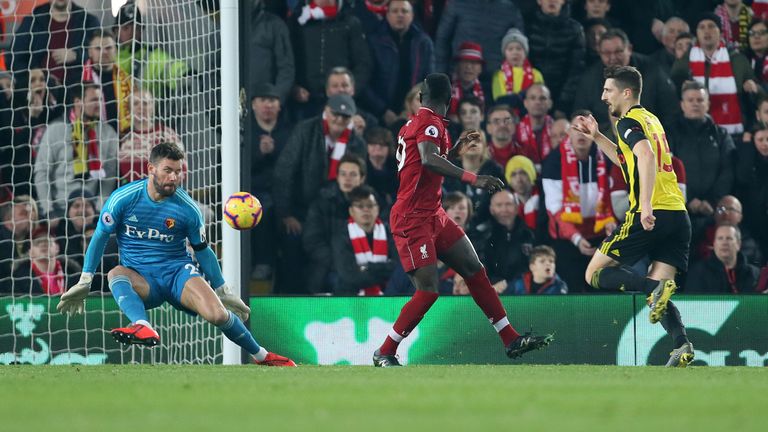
pixel 273 359
pixel 528 342
pixel 658 299
pixel 682 356
pixel 136 334
pixel 381 360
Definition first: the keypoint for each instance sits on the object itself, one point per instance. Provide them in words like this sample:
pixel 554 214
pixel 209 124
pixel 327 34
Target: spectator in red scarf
pixel 44 272
pixel 466 77
pixel 101 69
pixel 371 13
pixel 577 197
pixel 710 58
pixel 146 133
pixel 364 253
pixel 521 177
pixel 735 17
pixel 516 74
pixel 535 127
pixel 727 270
pixel 501 126
pixel 76 154
pixel 308 162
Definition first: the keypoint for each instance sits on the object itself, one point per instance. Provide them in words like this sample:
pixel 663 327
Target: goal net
pixel 85 96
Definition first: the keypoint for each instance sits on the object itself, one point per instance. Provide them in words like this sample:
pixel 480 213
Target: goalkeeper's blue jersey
pixel 151 233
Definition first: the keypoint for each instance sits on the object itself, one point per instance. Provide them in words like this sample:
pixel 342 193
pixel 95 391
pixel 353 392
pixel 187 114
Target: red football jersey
pixel 420 189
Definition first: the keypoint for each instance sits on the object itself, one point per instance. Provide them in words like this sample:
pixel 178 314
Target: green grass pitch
pixel 416 398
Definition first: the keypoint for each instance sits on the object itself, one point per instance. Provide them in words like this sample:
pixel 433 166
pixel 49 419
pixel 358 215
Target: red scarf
pixel 377 10
pixel 122 83
pixel 528 283
pixel 731 275
pixel 734 37
pixel 527 137
pixel 571 185
pixel 52 283
pixel 457 93
pixel 314 12
pixel 363 252
pixel 335 149
pixel 509 76
pixel 530 209
pixel 501 155
pixel 724 101
pixel 760 8
pixel 86 152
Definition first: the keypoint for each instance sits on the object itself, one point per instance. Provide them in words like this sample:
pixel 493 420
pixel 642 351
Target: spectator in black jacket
pixel 727 270
pixel 53 37
pixel 615 50
pixel 482 21
pixel 270 55
pixel 752 181
pixel 707 153
pixel 382 167
pixel 664 57
pixel 269 135
pixel 321 42
pixel 364 254
pixel 403 55
pixel 506 241
pixel 327 215
pixel 308 162
pixel 557 47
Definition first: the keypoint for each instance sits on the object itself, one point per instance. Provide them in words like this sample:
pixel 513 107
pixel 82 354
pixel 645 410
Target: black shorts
pixel 669 241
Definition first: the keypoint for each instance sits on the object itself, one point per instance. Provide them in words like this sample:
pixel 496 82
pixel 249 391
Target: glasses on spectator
pixel 723 209
pixel 502 121
pixel 365 206
pixel 757 32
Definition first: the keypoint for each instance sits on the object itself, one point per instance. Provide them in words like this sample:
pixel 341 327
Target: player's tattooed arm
pixel 431 159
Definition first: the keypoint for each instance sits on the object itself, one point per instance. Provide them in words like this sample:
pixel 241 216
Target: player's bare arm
pixel 431 159
pixel 646 167
pixel 588 126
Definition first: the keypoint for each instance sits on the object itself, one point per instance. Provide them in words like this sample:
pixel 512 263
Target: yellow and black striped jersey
pixel 637 125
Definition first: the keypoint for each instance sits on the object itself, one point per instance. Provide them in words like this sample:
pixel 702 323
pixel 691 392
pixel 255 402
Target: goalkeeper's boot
pixel 136 334
pixel 381 360
pixel 528 342
pixel 658 299
pixel 682 356
pixel 273 359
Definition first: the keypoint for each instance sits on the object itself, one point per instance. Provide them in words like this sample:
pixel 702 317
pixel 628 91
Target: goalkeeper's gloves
pixel 73 301
pixel 233 303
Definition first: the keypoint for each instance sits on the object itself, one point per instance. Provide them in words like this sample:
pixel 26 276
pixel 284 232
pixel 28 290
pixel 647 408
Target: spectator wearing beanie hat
pixel 516 73
pixel 520 174
pixel 466 77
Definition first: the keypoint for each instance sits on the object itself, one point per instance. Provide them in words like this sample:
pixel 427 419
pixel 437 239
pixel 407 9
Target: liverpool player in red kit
pixel 423 233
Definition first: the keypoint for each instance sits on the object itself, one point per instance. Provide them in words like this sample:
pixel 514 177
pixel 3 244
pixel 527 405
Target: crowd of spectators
pixel 329 84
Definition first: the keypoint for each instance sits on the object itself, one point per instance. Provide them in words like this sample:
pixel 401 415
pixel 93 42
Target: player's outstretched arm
pixel 210 266
pixel 588 126
pixel 431 159
pixel 73 301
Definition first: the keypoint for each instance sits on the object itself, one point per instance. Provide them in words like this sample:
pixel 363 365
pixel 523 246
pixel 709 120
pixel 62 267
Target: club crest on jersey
pixel 431 131
pixel 107 219
pixel 170 223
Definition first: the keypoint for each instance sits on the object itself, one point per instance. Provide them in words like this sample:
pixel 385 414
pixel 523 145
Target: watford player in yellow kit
pixel 656 223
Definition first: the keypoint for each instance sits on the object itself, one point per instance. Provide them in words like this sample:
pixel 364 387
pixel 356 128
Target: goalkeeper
pixel 152 219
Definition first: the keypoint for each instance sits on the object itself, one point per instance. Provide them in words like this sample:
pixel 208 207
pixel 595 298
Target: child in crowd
pixel 541 279
pixel 516 73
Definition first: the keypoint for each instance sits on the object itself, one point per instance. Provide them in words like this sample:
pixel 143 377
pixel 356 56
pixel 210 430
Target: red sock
pixel 409 318
pixel 488 299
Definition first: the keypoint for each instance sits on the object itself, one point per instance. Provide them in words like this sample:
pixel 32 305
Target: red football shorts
pixel 421 238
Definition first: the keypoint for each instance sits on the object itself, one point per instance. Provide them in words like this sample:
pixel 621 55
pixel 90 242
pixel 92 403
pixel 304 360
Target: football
pixel 242 211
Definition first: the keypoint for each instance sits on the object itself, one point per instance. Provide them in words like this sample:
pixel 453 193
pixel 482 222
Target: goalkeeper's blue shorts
pixel 166 283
